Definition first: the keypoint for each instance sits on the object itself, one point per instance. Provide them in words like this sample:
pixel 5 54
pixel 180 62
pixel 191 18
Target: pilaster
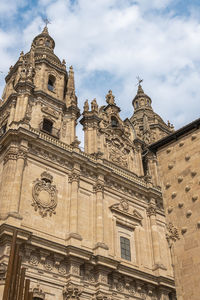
pixel 73 179
pixel 98 189
pixel 151 213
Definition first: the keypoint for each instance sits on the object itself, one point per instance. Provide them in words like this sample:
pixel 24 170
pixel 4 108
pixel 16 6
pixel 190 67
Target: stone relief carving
pixel 124 204
pixel 44 195
pixel 48 265
pixel 151 210
pixel 50 112
pixel 74 177
pixel 34 260
pixel 38 292
pixel 62 269
pixel 172 234
pixel 117 152
pixel 98 187
pixel 72 291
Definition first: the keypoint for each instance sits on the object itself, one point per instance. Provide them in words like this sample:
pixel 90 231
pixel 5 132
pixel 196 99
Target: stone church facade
pixel 91 224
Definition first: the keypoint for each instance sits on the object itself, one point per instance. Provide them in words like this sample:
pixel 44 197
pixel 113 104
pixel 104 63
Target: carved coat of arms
pixel 117 152
pixel 44 195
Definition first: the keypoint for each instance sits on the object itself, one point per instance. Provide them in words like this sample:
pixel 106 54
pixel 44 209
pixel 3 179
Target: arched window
pixel 51 83
pixel 47 126
pixel 136 104
pixel 114 122
pixel 47 43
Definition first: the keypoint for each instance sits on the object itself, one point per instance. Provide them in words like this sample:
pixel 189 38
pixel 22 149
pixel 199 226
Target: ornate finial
pixel 86 106
pixel 63 62
pixel 94 105
pixel 110 99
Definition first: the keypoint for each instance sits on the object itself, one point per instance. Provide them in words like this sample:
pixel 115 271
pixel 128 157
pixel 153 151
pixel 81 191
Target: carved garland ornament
pixel 44 195
pixel 172 234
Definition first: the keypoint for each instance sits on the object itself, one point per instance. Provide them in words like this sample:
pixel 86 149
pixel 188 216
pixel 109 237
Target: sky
pixel 110 43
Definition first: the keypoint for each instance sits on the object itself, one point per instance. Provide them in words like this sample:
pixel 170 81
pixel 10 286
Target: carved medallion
pixel 62 269
pixel 44 195
pixel 34 260
pixel 48 265
pixel 124 204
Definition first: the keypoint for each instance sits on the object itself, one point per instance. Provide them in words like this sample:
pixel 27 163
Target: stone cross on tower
pixel 46 21
pixel 139 80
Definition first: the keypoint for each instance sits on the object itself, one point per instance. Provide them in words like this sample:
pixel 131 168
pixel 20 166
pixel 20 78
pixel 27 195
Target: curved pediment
pixel 122 210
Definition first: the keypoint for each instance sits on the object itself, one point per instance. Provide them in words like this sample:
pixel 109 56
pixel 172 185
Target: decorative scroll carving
pixel 151 210
pixel 44 195
pixel 48 265
pixel 62 269
pixel 98 187
pixel 172 234
pixel 72 291
pixel 74 177
pixel 11 155
pixel 100 296
pixel 34 260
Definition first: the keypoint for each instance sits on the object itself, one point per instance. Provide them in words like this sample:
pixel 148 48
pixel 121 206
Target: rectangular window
pixel 125 248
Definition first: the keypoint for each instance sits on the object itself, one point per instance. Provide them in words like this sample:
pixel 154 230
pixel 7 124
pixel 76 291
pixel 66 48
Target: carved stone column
pixel 151 212
pixel 98 189
pixel 74 178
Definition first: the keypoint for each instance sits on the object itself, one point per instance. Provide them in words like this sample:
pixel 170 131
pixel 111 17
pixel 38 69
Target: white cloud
pixel 125 39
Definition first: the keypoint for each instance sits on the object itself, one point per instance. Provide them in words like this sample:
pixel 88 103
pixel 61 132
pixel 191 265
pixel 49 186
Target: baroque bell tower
pixel 41 92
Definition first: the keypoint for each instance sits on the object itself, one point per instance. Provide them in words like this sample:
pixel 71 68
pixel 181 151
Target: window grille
pixel 47 125
pixel 125 248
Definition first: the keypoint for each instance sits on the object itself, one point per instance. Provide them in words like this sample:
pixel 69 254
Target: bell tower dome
pixel 148 126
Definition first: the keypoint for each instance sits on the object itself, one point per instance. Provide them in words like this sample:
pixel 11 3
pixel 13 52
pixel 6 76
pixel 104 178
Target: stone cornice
pixel 50 247
pixel 45 141
pixel 47 96
pixel 9 100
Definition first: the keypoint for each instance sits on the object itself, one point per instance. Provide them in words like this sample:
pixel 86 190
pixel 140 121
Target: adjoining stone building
pixel 178 159
pixel 90 223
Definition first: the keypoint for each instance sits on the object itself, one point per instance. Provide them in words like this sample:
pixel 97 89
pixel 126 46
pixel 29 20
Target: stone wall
pixel 179 170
